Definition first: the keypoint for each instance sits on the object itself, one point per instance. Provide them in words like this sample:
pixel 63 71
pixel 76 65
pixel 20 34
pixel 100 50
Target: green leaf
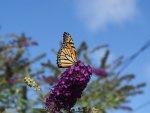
pixel 38 110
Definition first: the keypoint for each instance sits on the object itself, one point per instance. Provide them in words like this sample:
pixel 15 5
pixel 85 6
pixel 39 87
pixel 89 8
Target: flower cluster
pixel 68 88
pixel 99 72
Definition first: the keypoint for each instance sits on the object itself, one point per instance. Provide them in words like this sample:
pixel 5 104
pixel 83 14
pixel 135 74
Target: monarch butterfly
pixel 66 56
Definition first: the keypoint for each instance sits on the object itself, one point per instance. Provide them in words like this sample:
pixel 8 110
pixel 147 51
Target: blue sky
pixel 123 24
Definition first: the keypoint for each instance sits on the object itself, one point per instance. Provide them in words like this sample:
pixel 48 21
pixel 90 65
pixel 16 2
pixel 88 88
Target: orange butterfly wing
pixel 67 55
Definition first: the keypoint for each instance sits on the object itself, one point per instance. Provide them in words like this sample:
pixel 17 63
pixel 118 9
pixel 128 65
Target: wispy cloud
pixel 97 14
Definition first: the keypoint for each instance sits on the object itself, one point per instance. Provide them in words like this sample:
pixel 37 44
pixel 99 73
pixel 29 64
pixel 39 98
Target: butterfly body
pixel 67 55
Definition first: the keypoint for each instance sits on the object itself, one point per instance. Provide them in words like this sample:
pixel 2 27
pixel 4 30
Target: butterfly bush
pixel 68 88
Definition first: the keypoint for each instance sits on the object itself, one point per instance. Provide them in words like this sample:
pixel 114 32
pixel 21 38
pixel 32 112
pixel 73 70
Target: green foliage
pixel 14 59
pixel 112 91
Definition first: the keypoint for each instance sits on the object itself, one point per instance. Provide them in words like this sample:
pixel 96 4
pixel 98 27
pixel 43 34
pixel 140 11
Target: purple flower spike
pixel 69 88
pixel 99 72
pixel 12 80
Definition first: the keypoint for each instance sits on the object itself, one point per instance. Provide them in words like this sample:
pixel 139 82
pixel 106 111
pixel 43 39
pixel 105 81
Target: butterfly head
pixel 66 34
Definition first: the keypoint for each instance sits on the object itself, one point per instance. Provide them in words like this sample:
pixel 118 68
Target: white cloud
pixel 97 14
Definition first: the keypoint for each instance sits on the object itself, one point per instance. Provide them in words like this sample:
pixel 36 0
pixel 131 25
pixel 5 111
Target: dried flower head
pixel 31 83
